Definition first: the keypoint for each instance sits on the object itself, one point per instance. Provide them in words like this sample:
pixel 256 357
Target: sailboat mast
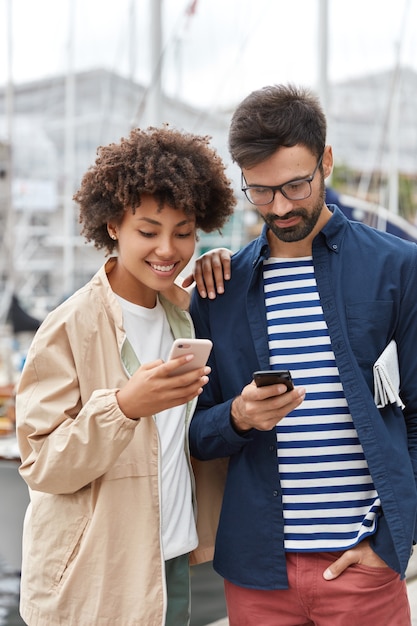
pixel 8 237
pixel 323 38
pixel 154 108
pixel 68 243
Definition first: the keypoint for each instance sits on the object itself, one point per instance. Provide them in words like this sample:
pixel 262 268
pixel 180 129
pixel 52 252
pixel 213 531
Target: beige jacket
pixel 91 540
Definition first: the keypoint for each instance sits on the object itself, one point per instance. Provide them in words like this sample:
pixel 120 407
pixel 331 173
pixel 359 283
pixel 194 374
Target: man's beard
pixel 303 228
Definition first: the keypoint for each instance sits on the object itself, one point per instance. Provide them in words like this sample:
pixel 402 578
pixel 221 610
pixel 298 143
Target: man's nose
pixel 281 205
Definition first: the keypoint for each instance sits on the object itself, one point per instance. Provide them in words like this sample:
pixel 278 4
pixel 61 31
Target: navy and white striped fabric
pixel 330 502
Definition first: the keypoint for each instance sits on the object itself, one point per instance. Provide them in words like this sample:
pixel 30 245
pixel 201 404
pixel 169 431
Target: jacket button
pixel 275 493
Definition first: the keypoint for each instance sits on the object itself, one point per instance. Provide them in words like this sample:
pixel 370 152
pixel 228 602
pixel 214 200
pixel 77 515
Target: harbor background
pixel 52 120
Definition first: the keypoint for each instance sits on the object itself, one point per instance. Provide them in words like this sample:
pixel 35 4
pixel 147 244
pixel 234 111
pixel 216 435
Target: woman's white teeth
pixel 163 268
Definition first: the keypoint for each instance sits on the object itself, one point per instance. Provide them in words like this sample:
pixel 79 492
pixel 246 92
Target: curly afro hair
pixel 177 168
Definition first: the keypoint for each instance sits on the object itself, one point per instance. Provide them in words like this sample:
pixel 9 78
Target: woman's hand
pixel 210 271
pixel 155 387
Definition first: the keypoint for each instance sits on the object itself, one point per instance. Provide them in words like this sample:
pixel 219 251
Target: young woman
pixel 102 416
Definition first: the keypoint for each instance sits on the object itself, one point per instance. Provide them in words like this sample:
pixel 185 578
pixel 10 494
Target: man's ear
pixel 327 161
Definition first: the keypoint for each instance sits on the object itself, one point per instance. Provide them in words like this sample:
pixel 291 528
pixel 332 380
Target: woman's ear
pixel 112 232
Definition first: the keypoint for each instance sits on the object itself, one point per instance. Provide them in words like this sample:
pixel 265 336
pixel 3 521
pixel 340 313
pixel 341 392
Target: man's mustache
pixel 271 217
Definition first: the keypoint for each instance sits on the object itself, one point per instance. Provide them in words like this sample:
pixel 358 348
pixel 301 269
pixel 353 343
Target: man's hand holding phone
pixel 264 378
pixel 265 401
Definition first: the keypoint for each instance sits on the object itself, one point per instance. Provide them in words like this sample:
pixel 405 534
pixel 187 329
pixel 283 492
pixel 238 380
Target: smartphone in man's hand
pixel 273 377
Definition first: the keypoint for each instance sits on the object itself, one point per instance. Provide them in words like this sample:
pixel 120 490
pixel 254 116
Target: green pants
pixel 177 574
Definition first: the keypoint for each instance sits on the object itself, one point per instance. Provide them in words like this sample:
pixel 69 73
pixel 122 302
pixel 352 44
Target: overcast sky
pixel 218 55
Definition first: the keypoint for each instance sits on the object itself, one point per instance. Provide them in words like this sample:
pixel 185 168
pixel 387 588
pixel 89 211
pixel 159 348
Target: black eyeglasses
pixel 298 189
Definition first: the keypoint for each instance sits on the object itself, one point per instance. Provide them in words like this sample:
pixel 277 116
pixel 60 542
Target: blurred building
pixel 59 122
pixel 54 142
pixel 373 121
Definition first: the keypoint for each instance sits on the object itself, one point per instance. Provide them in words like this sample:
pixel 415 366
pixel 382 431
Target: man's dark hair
pixel 275 117
pixel 176 168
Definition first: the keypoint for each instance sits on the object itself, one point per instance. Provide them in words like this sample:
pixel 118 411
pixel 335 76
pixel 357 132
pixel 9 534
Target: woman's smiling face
pixel 154 246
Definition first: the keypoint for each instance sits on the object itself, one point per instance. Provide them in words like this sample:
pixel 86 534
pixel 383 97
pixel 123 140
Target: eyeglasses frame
pixel 275 188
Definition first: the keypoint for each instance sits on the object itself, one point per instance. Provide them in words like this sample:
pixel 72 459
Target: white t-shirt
pixel 151 338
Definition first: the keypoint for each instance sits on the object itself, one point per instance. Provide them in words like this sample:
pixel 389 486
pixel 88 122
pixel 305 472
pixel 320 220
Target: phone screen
pixel 273 377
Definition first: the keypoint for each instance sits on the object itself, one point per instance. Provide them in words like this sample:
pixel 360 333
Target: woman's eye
pixel 184 235
pixel 145 234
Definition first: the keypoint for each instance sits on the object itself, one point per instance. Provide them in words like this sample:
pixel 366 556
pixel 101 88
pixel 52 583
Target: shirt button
pixel 275 493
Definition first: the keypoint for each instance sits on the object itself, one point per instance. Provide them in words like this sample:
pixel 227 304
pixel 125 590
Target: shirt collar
pixel 333 231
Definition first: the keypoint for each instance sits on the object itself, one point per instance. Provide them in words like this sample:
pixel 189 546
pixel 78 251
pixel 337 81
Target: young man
pixel 319 509
pixel 102 416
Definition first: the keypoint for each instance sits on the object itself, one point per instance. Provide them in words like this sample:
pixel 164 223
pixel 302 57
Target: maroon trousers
pixel 360 596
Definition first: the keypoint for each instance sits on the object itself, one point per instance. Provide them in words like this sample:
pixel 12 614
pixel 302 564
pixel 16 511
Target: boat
pixel 14 493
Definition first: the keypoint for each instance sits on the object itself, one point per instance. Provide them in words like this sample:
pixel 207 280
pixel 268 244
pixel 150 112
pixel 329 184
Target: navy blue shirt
pixel 367 281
